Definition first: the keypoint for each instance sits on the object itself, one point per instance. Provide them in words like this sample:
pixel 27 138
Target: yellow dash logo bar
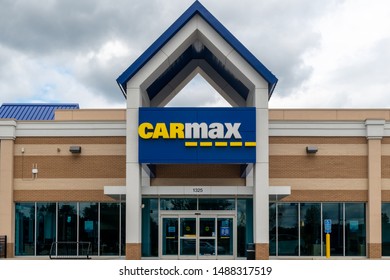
pixel 191 144
pixel 221 144
pixel 250 144
pixel 206 144
pixel 235 144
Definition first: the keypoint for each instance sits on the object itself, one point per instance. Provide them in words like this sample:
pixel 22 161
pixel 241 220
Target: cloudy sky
pixel 326 54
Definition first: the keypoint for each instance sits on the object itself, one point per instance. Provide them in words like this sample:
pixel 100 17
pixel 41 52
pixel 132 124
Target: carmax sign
pixel 175 135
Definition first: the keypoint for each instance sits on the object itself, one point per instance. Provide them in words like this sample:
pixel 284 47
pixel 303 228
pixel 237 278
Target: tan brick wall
pixel 198 182
pixel 71 140
pixel 326 196
pixel 133 251
pixel 61 195
pixel 262 251
pixel 385 166
pixel 386 140
pixel 194 174
pixel 317 140
pixel 78 166
pixel 386 196
pixel 10 250
pixel 198 171
pixel 374 250
pixel 318 167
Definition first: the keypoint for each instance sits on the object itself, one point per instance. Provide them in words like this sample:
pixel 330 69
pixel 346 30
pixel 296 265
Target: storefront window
pixel 244 225
pixel 67 221
pixel 217 204
pixel 24 229
pixel 355 229
pixel 347 239
pixel 109 229
pixel 46 227
pixel 287 229
pixel 178 204
pixel 310 229
pixel 123 229
pixel 334 212
pixel 385 229
pixel 150 228
pixel 67 228
pixel 272 229
pixel 88 226
pixel 72 224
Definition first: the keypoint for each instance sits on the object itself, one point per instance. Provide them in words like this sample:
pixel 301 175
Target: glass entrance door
pixel 197 237
pixel 207 237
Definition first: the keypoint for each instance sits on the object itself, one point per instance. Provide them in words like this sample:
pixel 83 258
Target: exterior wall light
pixel 75 149
pixel 311 150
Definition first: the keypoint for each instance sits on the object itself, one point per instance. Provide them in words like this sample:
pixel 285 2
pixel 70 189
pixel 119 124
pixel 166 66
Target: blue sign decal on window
pixel 225 231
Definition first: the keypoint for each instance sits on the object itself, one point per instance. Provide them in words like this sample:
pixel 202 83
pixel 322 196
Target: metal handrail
pixel 70 250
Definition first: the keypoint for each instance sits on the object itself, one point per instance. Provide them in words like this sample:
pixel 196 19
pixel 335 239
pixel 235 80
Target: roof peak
pixel 194 9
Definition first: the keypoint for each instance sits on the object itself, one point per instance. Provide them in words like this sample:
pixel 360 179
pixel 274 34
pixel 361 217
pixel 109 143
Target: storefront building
pixel 154 182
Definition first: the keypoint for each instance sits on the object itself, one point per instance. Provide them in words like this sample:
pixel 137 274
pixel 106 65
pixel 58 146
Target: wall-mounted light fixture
pixel 311 149
pixel 75 149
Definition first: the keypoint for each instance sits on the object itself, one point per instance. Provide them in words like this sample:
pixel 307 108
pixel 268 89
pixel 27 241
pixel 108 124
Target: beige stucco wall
pixel 6 189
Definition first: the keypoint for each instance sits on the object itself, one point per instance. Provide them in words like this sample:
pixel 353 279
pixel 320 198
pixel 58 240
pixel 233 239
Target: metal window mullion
pixel 57 205
pixel 36 229
pixel 77 228
pixel 322 229
pixel 277 229
pixel 344 222
pixel 120 227
pixel 299 228
pixel 98 229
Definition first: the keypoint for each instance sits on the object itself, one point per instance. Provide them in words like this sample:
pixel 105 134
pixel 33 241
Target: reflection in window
pixel 24 229
pixel 272 229
pixel 88 228
pixel 150 227
pixel 73 225
pixel 287 240
pixel 67 228
pixel 385 229
pixel 109 229
pixel 355 229
pixel 46 227
pixel 217 204
pixel 334 212
pixel 67 221
pixel 123 229
pixel 347 239
pixel 244 225
pixel 178 204
pixel 310 224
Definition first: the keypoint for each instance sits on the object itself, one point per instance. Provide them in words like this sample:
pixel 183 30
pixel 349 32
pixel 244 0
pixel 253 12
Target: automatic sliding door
pixel 188 236
pixel 207 237
pixel 194 236
pixel 170 233
pixel 225 237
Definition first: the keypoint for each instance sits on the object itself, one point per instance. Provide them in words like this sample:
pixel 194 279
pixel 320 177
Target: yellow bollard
pixel 327 246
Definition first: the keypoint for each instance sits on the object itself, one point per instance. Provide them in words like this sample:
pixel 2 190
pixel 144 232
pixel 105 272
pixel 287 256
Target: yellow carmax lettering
pixel 145 130
pixel 160 131
pixel 176 130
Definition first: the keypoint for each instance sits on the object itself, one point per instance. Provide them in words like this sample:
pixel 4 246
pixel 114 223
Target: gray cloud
pixel 64 38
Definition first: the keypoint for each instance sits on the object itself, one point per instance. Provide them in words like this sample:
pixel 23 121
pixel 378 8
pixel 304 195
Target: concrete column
pixel 7 220
pixel 375 131
pixel 261 177
pixel 133 177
